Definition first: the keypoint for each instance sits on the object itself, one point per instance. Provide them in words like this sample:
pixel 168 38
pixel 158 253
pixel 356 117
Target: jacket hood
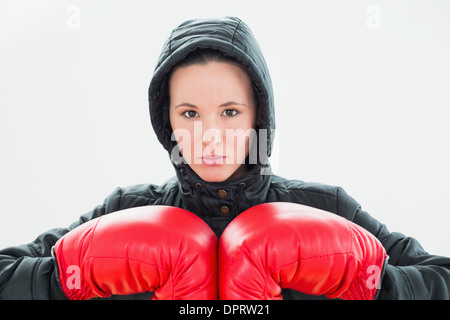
pixel 234 38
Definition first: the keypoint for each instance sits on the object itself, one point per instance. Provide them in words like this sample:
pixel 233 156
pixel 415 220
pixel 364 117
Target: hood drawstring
pixel 242 186
pixel 198 190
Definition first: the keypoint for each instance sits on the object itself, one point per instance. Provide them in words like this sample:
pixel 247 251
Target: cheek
pixel 184 138
pixel 238 142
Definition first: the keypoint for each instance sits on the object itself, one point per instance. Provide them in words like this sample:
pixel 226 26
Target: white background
pixel 362 101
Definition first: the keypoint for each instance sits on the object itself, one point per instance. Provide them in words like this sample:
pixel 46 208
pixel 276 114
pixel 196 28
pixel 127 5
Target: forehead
pixel 211 79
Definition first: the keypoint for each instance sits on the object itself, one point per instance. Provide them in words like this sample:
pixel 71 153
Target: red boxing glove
pixel 155 248
pixel 286 245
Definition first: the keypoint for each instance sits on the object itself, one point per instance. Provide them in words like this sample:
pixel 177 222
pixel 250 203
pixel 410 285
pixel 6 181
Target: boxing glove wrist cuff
pixel 367 285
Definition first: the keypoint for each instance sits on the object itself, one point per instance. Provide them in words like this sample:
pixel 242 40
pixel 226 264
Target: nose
pixel 212 137
pixel 212 133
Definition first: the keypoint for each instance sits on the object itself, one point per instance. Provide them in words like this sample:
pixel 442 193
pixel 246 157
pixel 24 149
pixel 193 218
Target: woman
pixel 211 106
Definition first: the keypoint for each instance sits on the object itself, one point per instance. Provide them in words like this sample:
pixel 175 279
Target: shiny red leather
pixel 163 249
pixel 285 245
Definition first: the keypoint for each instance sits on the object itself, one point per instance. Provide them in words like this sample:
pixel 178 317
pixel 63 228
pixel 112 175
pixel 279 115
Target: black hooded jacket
pixel 30 272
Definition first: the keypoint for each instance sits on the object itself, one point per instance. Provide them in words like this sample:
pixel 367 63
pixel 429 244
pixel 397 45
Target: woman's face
pixel 212 113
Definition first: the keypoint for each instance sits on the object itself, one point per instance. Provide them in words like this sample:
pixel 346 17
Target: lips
pixel 212 160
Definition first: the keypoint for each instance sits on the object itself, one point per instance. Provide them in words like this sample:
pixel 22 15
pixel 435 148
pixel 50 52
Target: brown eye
pixel 229 113
pixel 190 114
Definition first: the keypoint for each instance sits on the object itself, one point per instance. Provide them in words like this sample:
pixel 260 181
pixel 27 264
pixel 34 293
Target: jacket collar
pixel 223 200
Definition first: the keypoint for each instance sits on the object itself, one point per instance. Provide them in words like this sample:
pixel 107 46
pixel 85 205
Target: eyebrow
pixel 226 104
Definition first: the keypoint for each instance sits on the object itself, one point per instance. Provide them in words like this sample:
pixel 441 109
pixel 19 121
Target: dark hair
pixel 205 56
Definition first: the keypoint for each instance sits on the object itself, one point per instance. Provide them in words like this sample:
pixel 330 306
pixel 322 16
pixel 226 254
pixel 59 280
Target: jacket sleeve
pixel 30 272
pixel 411 272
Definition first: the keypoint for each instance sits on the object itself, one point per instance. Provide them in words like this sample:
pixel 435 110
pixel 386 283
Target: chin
pixel 213 178
pixel 213 174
